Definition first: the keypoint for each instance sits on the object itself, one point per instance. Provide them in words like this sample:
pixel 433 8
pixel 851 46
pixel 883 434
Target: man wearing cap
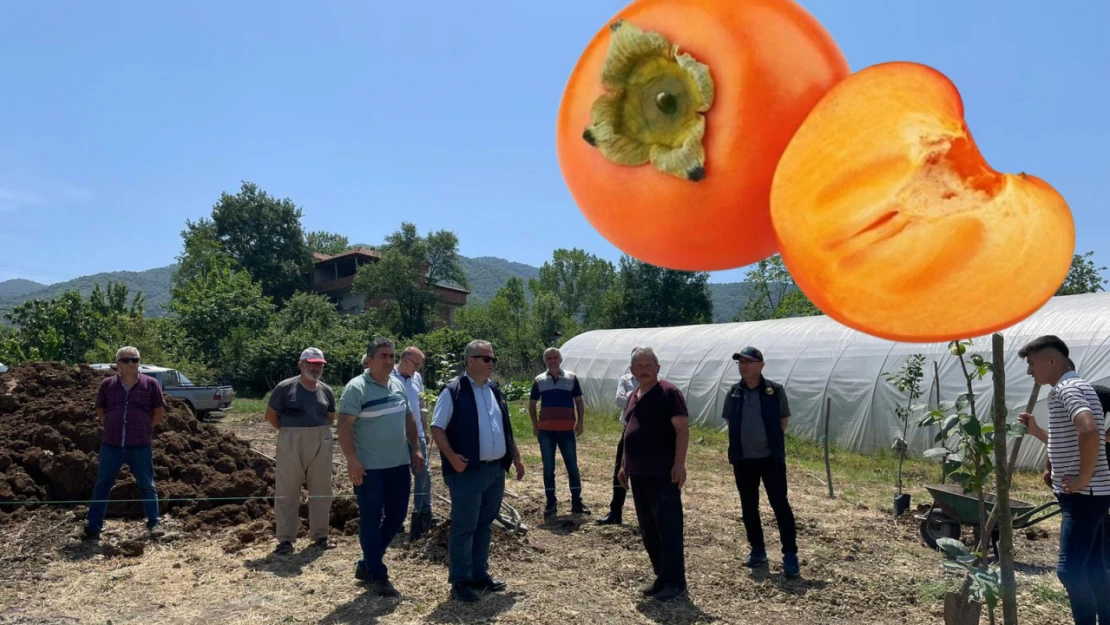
pixel 756 411
pixel 302 410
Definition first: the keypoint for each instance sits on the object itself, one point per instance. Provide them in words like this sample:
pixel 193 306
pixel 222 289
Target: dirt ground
pixel 859 564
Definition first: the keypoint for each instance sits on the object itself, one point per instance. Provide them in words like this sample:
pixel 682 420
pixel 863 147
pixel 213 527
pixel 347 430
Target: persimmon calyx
pixel 653 109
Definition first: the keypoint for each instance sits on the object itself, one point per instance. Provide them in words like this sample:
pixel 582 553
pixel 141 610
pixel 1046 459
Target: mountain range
pixel 486 274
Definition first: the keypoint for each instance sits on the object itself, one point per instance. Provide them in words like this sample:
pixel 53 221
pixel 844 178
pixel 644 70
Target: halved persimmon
pixel 674 117
pixel 892 222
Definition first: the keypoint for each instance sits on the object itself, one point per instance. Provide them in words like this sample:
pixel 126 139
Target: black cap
pixel 749 352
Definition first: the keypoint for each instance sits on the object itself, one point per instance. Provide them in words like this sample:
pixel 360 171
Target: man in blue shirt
pixel 474 434
pixel 375 423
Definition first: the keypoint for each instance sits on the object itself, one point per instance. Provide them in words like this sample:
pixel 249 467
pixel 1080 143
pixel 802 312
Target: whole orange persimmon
pixel 674 118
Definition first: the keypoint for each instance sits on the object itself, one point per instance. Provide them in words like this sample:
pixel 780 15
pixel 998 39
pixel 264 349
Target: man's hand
pixel 622 477
pixel 519 469
pixel 417 461
pixel 355 470
pixel 1074 483
pixel 1030 423
pixel 579 428
pixel 678 475
pixel 1048 478
pixel 459 463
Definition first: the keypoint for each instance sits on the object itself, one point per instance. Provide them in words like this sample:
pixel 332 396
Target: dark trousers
pixel 658 503
pixel 749 473
pixel 566 443
pixel 383 499
pixel 1081 565
pixel 475 503
pixel 112 458
pixel 616 506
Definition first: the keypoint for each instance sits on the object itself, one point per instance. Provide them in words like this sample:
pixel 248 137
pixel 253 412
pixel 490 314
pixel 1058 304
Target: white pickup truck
pixel 202 400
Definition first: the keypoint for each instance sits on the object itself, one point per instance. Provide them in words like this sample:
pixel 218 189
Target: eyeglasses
pixel 128 360
pixel 486 359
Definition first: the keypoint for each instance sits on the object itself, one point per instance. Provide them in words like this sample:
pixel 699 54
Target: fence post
pixel 828 467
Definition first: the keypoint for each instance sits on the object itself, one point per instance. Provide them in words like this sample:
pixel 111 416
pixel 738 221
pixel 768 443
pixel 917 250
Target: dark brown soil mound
pixel 50 440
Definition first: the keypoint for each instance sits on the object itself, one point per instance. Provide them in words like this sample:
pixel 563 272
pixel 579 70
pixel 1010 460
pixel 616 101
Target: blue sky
pixel 119 120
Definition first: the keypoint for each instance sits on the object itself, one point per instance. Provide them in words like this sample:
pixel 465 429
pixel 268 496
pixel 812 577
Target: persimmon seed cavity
pixel 666 103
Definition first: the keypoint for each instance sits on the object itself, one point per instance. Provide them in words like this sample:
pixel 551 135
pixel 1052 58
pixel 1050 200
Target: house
pixel 334 276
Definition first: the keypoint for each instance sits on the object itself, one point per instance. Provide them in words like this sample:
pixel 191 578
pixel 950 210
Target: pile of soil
pixel 50 440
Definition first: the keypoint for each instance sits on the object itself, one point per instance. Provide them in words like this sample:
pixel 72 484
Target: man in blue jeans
pixel 376 431
pixel 1079 474
pixel 474 434
pixel 128 406
pixel 558 425
pixel 408 372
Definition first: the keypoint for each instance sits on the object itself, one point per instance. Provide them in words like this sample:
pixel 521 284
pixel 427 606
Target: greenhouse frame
pixel 817 358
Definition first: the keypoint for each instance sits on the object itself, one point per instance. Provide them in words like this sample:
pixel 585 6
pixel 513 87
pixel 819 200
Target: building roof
pixel 358 251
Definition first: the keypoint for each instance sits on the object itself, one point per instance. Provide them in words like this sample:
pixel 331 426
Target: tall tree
pixel 651 296
pixel 261 233
pixel 410 268
pixel 773 294
pixel 578 281
pixel 324 242
pixel 1083 277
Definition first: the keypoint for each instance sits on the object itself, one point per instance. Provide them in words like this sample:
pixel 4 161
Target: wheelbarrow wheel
pixel 939 525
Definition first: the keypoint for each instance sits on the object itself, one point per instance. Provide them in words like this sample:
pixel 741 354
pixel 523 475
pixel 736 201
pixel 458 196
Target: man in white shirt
pixel 626 386
pixel 407 370
pixel 1079 475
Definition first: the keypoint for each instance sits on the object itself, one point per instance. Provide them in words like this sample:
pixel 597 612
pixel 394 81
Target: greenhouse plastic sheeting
pixel 817 358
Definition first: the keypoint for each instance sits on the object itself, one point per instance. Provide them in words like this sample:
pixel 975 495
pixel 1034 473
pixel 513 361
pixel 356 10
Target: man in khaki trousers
pixel 302 410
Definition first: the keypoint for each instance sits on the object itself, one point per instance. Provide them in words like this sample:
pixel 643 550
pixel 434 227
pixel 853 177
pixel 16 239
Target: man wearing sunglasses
pixel 128 406
pixel 407 372
pixel 474 434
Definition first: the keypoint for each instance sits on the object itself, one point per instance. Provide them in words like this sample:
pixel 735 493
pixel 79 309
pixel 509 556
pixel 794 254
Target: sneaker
pixel 324 543
pixel 756 558
pixel 90 534
pixel 284 548
pixel 156 531
pixel 790 566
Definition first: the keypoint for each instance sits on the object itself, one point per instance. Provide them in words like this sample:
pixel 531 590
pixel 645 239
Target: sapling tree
pixel 906 380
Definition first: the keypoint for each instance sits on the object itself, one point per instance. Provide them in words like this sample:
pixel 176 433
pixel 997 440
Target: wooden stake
pixel 828 467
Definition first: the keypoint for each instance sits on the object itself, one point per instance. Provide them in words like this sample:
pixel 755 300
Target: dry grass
pixel 860 565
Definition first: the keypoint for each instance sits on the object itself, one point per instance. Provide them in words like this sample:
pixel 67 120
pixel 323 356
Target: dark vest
pixel 772 416
pixel 462 431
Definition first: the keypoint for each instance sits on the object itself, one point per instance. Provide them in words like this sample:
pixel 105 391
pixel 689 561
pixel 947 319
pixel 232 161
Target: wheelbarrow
pixel 953 508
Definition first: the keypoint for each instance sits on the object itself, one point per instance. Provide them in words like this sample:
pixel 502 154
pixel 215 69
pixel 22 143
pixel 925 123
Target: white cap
pixel 312 355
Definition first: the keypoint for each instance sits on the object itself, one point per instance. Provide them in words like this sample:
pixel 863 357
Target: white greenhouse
pixel 817 358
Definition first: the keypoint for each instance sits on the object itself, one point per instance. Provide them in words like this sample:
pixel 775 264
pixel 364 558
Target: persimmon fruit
pixel 891 221
pixel 674 117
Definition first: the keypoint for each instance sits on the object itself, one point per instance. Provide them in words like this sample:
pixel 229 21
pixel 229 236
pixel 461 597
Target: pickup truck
pixel 202 400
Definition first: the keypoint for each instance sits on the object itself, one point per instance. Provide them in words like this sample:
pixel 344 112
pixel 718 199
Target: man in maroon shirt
pixel 655 442
pixel 128 406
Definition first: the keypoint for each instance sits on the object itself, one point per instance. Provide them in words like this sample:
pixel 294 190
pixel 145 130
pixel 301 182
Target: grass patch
pixel 249 405
pixel 1052 595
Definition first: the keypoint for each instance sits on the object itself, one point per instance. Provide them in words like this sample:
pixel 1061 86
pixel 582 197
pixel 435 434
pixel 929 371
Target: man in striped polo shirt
pixel 557 425
pixel 1080 476
pixel 377 431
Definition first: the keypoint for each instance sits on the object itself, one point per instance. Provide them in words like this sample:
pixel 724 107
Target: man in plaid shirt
pixel 128 406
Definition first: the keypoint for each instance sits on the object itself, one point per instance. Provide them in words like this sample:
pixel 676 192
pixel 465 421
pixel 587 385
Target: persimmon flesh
pixel 674 117
pixel 890 220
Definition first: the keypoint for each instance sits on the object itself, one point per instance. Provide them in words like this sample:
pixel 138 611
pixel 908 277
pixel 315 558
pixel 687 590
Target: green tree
pixel 262 234
pixel 410 268
pixel 647 296
pixel 773 294
pixel 324 242
pixel 1083 277
pixel 579 282
pixel 516 335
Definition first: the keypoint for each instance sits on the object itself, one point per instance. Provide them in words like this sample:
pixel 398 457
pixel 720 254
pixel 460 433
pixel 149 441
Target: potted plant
pixel 906 380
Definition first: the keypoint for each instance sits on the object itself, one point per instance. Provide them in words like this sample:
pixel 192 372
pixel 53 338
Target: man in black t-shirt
pixel 655 442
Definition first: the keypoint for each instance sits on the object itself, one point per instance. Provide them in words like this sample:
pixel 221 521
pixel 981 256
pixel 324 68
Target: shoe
pixel 613 518
pixel 551 509
pixel 756 558
pixel 156 530
pixel 362 574
pixel 384 588
pixel 90 534
pixel 579 508
pixel 653 588
pixel 429 520
pixel 489 583
pixel 670 591
pixel 416 526
pixel 324 543
pixel 283 548
pixel 462 592
pixel 790 566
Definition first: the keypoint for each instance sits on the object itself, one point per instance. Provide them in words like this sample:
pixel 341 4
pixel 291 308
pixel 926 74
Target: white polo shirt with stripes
pixel 1071 396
